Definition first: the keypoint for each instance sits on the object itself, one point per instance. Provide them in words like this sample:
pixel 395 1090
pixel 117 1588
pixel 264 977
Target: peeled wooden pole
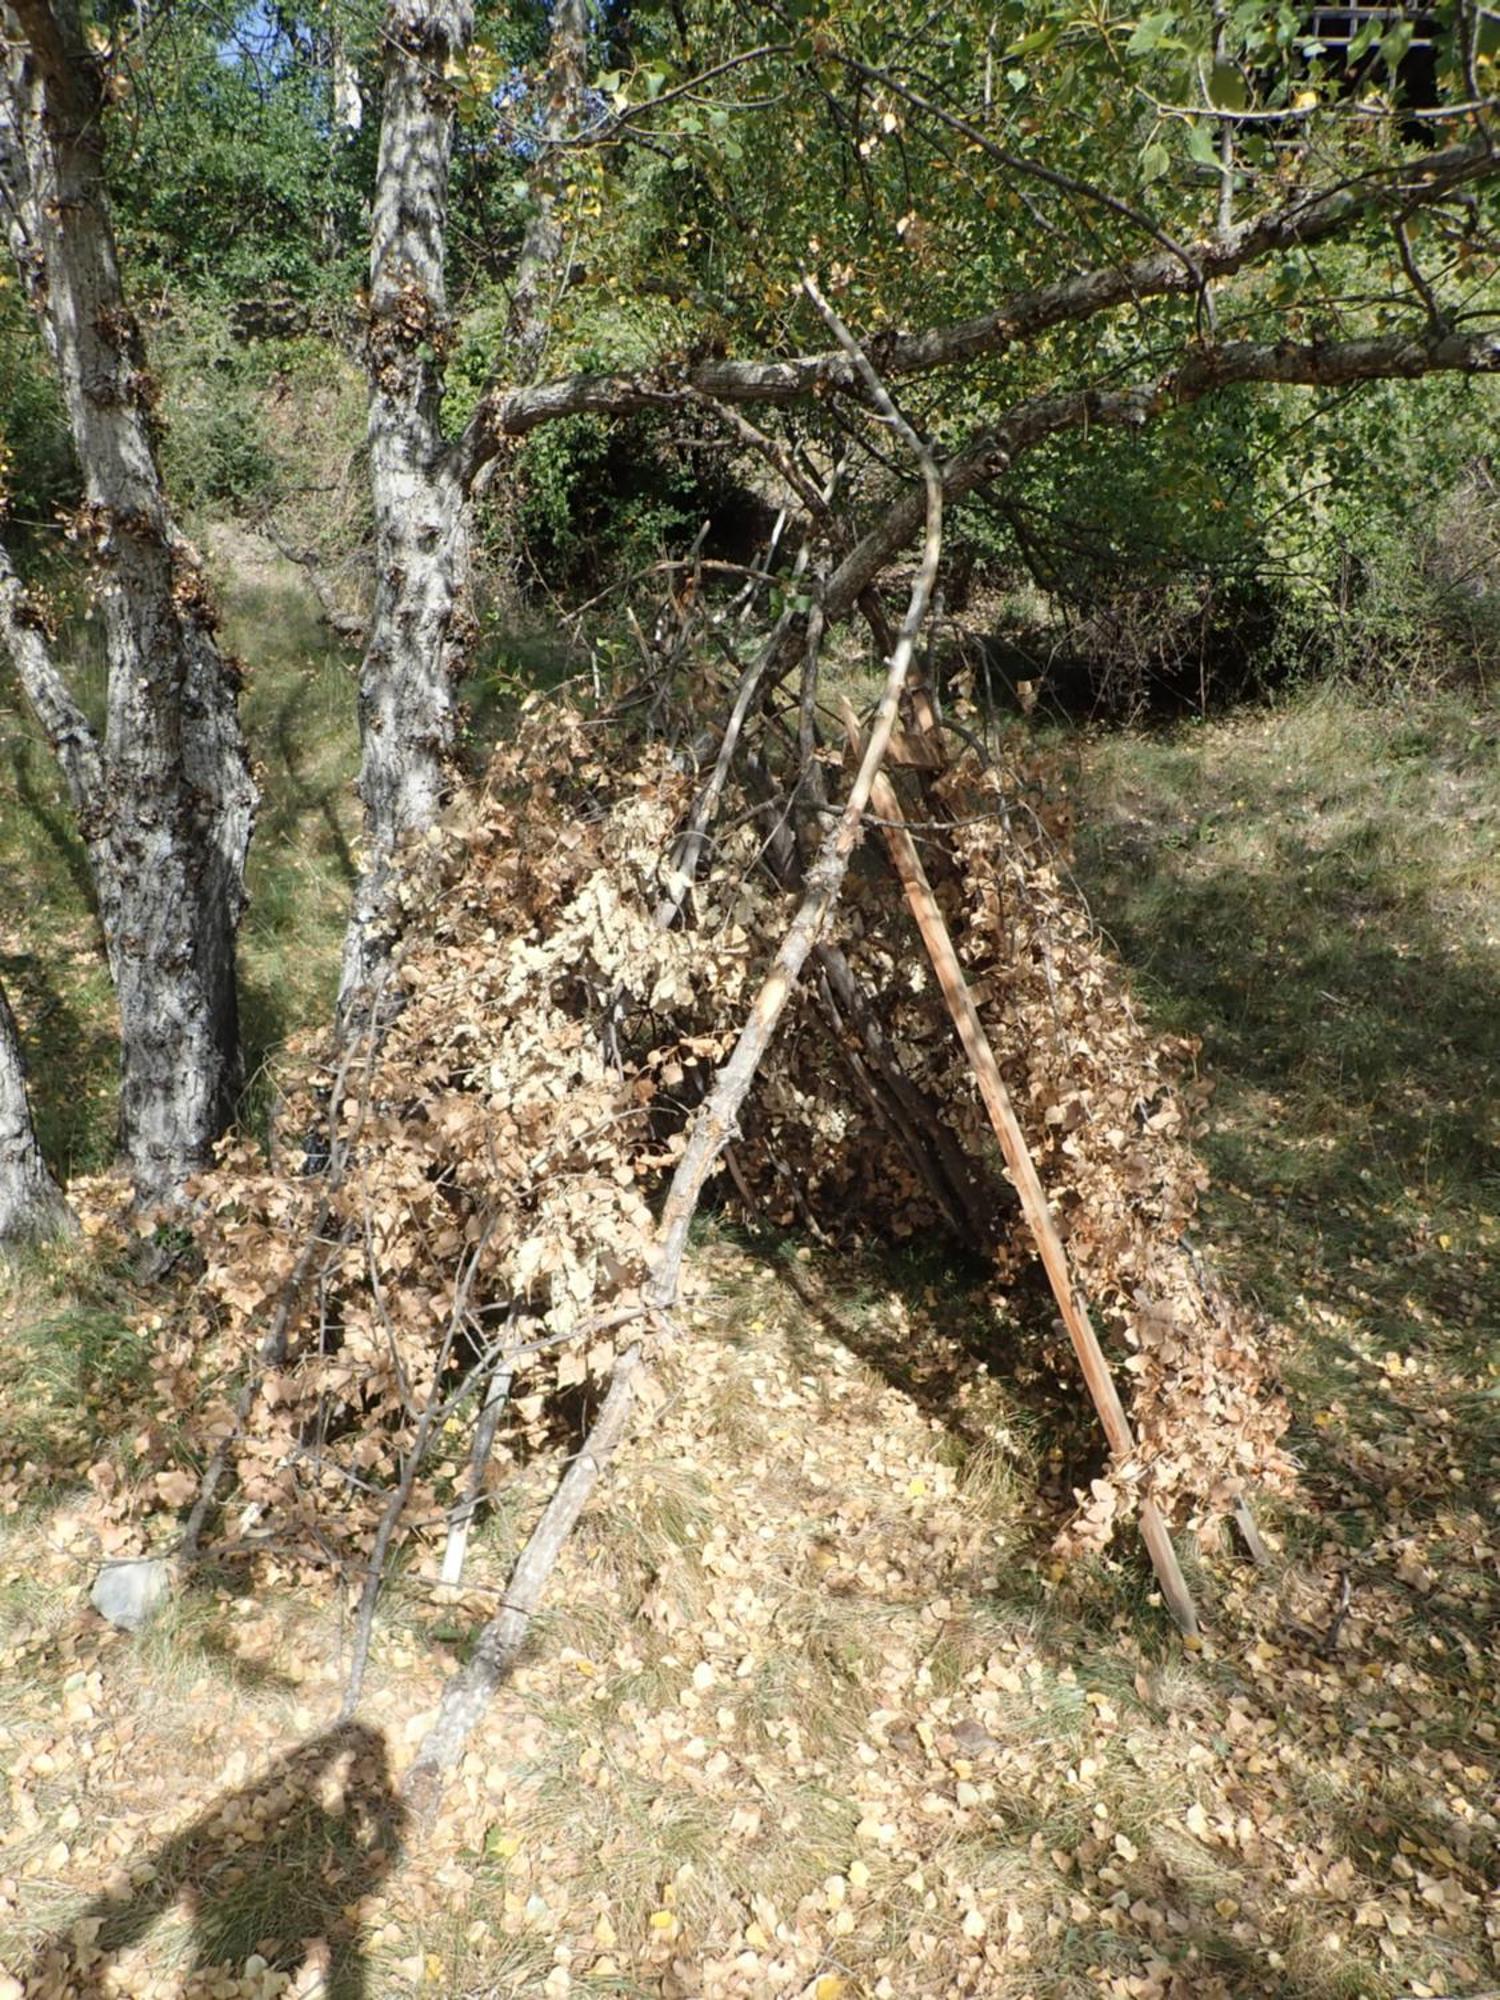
pixel 1023 1172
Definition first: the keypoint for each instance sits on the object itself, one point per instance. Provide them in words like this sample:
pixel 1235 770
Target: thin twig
pixel 364 1625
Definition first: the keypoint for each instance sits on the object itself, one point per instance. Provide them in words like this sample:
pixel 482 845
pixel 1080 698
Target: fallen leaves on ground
pixel 817 1712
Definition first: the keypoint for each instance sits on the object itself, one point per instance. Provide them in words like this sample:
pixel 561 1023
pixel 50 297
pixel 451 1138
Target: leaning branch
pixel 1308 219
pixel 715 1125
pixel 63 722
pixel 1022 1169
pixel 470 1691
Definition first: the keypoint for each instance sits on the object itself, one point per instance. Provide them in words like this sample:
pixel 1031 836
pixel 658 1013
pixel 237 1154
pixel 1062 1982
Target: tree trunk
pixel 420 484
pixel 167 802
pixel 31 1203
pixel 421 624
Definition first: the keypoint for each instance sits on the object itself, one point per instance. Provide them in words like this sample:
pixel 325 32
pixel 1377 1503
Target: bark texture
pixel 166 802
pixel 421 625
pixel 420 484
pixel 31 1203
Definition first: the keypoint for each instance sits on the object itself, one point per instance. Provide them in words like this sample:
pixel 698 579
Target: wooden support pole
pixel 1250 1535
pixel 1022 1169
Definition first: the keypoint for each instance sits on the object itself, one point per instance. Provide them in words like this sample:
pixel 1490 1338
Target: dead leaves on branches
pixel 500 1151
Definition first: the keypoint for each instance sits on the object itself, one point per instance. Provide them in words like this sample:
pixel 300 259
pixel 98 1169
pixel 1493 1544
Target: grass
pixel 300 719
pixel 1313 890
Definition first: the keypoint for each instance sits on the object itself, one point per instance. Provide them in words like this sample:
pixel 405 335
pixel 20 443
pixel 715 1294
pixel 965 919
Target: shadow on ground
pixel 274 1870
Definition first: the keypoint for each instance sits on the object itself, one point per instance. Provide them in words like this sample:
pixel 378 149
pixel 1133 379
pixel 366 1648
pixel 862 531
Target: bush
pixel 37 474
pixel 596 499
pixel 1419 606
pixel 1356 537
pixel 214 450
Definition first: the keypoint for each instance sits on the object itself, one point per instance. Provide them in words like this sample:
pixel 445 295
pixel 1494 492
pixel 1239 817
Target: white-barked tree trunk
pixel 165 800
pixel 31 1203
pixel 421 625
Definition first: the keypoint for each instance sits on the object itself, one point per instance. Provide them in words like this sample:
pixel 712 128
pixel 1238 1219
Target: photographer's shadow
pixel 274 1869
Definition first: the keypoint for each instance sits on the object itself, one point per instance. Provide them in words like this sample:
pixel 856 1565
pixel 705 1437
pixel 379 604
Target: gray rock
pixel 971 1739
pixel 129 1594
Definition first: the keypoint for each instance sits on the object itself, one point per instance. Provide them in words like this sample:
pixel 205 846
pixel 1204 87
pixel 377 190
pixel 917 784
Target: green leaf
pixel 1394 45
pixel 1150 34
pixel 1226 88
pixel 1155 161
pixel 1203 144
pixel 1040 38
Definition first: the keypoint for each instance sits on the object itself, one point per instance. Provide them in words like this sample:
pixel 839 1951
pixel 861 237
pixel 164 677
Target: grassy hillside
pixel 814 1710
pixel 1316 892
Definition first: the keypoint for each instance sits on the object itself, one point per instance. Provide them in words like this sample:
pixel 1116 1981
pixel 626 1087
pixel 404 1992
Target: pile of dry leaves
pixel 461 1212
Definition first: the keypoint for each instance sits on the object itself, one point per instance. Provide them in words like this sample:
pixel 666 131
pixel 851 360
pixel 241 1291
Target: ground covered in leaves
pixel 815 1709
pixel 813 1705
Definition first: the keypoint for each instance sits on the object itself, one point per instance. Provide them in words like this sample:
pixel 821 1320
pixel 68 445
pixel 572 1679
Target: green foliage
pixel 595 495
pixel 1414 602
pixel 214 450
pixel 916 170
pixel 37 473
pixel 231 178
pixel 1263 533
pixel 1390 539
pixel 925 172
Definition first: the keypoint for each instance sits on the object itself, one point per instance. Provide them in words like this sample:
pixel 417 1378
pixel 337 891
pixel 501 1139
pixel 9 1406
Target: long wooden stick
pixel 472 1688
pixel 714 1124
pixel 1022 1168
pixel 467 1694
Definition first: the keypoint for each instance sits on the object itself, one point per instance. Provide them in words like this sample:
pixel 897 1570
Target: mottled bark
pixel 31 1203
pixel 420 627
pixel 166 801
pixel 421 485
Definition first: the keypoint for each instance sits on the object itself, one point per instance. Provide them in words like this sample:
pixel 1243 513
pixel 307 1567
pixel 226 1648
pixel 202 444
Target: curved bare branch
pixel 1308 219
